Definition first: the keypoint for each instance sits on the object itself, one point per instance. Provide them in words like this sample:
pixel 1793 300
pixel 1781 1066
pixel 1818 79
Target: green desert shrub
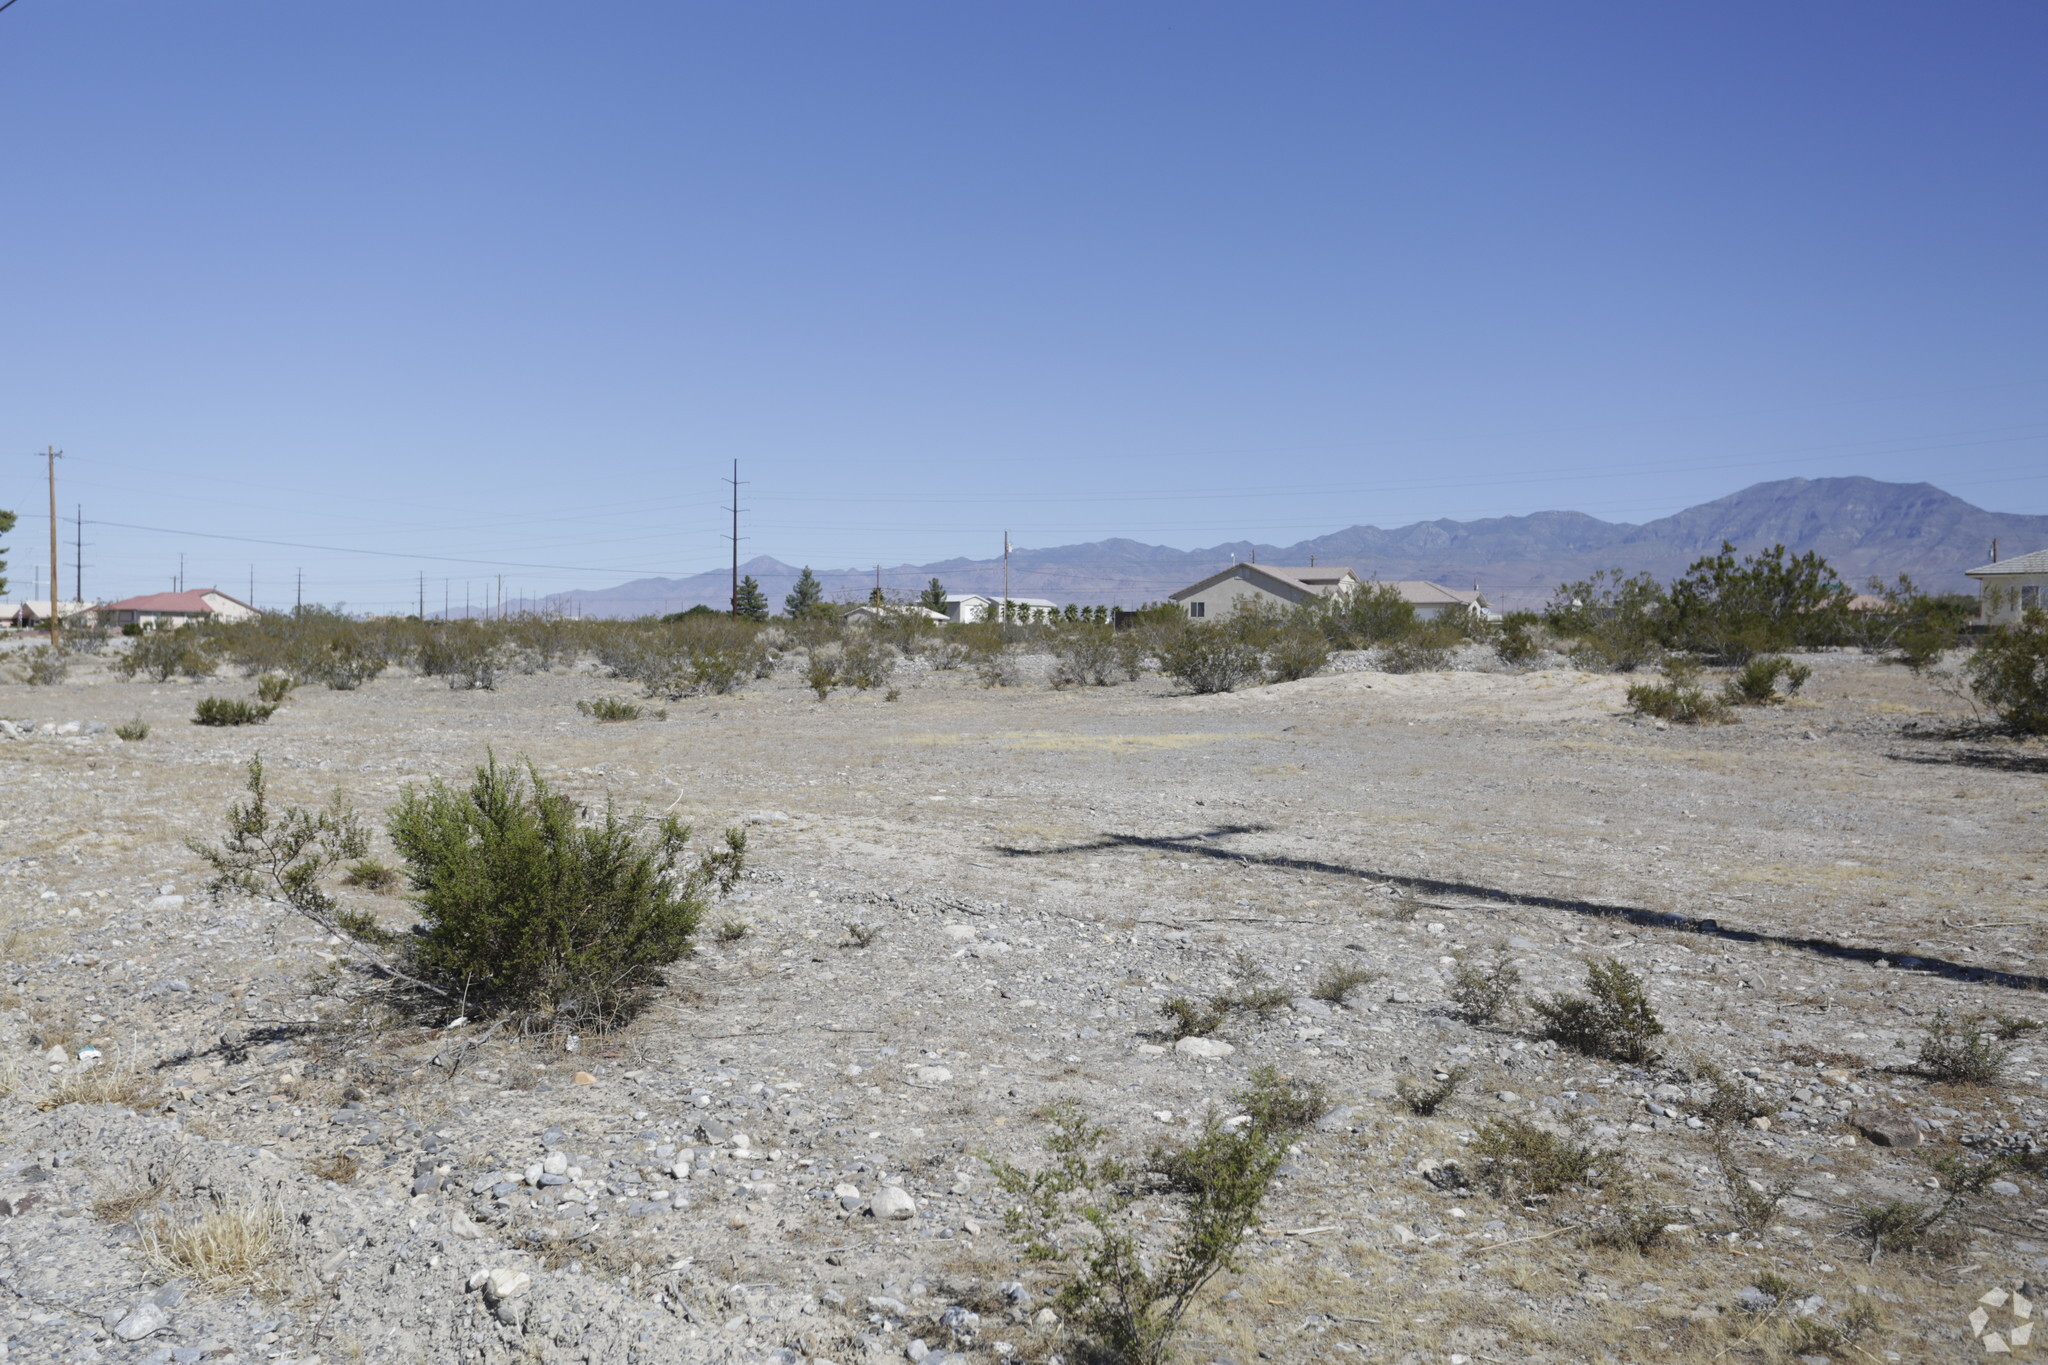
pixel 1298 650
pixel 1963 1048
pixel 273 688
pixel 2009 672
pixel 1428 648
pixel 1516 1159
pixel 372 874
pixel 1138 1241
pixel 1612 1020
pixel 469 654
pixel 160 655
pixel 609 709
pixel 1615 623
pixel 1336 983
pixel 821 668
pixel 230 711
pixel 1482 995
pixel 1680 698
pixel 1084 656
pixel 535 912
pixel 46 666
pixel 1758 682
pixel 866 661
pixel 1423 1098
pixel 1211 657
pixel 1516 644
pixel 1369 615
pixel 133 731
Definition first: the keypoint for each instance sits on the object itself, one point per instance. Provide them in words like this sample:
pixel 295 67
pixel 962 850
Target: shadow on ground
pixel 1202 845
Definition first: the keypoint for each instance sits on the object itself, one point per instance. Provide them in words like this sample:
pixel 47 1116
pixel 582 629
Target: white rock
pixel 1203 1049
pixel 506 1284
pixel 893 1202
pixel 164 904
pixel 146 1318
pixel 930 1075
pixel 459 1224
pixel 1151 1050
pixel 959 933
pixel 555 1163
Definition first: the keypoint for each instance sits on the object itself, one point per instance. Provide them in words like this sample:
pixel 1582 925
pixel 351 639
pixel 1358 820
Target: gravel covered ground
pixel 781 1159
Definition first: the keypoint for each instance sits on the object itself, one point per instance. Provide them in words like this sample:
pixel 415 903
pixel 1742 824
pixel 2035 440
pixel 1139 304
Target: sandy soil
pixel 1801 890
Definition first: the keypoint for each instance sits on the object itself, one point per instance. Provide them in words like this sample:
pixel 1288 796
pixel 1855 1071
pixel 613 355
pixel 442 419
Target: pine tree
pixel 751 604
pixel 875 598
pixel 933 598
pixel 806 598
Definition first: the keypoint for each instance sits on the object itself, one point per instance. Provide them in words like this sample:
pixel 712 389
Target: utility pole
pixel 1006 577
pixel 735 536
pixel 501 597
pixel 252 586
pixel 181 572
pixel 78 552
pixel 299 604
pixel 423 596
pixel 53 456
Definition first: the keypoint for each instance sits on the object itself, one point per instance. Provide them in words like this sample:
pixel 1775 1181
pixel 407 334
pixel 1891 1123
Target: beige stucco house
pixel 1264 584
pixel 2011 586
pixel 1220 594
pixel 167 609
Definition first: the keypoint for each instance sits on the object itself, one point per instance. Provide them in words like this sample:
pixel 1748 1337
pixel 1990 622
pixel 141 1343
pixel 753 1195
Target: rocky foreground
pixel 967 904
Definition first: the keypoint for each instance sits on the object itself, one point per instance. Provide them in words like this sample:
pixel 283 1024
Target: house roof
pixel 2036 562
pixel 1423 593
pixel 192 602
pixel 997 597
pixel 1314 581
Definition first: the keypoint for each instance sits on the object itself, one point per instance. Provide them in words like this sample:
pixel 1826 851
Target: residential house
pixel 967 607
pixel 1263 584
pixel 867 613
pixel 1221 593
pixel 37 613
pixel 175 609
pixel 2011 586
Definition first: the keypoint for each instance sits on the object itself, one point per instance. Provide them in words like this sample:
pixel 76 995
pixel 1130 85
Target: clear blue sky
pixel 512 283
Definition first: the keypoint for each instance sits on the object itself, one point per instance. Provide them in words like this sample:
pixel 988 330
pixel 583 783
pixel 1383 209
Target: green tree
pixel 807 598
pixel 7 524
pixel 875 598
pixel 933 598
pixel 751 604
pixel 2009 672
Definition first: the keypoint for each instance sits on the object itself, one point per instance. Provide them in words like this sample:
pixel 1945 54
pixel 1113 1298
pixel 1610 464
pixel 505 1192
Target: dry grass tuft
pixel 224 1250
pixel 340 1168
pixel 101 1084
pixel 122 1205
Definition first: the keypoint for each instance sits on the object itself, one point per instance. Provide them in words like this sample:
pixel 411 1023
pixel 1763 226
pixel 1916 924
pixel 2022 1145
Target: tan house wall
pixel 2006 595
pixel 1220 599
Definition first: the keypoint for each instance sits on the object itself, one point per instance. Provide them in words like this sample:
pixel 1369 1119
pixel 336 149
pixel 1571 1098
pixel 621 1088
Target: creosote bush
pixel 1963 1048
pixel 1130 1275
pixel 46 666
pixel 1481 995
pixel 1424 1100
pixel 1336 983
pixel 537 913
pixel 2009 672
pixel 372 874
pixel 610 709
pixel 230 711
pixel 1515 1159
pixel 1757 682
pixel 132 731
pixel 526 909
pixel 1679 698
pixel 1612 1020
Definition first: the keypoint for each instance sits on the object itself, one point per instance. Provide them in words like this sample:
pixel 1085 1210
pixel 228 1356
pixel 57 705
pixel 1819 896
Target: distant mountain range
pixel 1863 527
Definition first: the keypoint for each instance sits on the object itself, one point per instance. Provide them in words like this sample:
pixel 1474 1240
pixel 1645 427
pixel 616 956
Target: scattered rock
pixel 1203 1049
pixel 892 1202
pixel 145 1319
pixel 1886 1127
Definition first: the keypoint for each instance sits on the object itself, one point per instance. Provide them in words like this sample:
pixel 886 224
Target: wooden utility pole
pixel 78 552
pixel 299 603
pixel 735 537
pixel 53 456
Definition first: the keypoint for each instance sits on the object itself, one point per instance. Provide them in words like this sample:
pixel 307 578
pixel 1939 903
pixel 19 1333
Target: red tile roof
pixel 192 601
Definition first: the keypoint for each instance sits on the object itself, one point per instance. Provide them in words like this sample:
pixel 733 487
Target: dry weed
pixel 101 1084
pixel 341 1168
pixel 225 1249
pixel 150 1186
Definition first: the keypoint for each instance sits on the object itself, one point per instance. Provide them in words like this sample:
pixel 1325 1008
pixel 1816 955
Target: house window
pixel 1198 609
pixel 2030 596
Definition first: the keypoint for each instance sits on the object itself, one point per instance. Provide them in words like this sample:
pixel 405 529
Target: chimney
pixel 1994 549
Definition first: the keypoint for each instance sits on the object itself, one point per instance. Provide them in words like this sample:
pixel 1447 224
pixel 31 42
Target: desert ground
pixel 1034 872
